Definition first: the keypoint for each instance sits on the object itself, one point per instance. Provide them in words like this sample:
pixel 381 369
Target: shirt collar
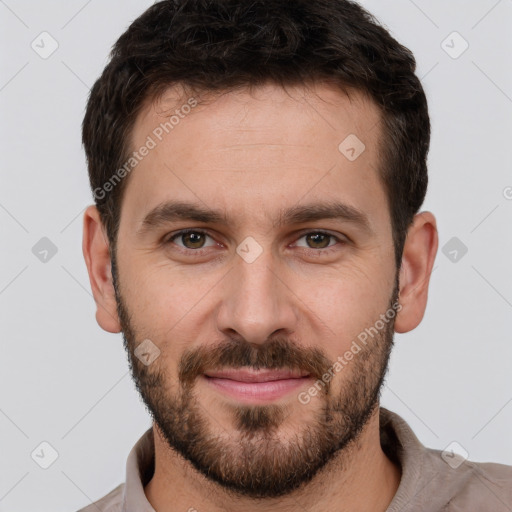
pixel 401 445
pixel 140 467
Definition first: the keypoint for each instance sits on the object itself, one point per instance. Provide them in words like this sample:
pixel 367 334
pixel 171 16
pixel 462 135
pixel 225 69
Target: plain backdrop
pixel 65 382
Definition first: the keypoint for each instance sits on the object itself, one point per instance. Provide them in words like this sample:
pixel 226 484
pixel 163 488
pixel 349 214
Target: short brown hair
pixel 220 45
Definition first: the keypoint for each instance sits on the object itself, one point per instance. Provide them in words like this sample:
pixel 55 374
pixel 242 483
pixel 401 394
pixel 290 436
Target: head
pixel 263 129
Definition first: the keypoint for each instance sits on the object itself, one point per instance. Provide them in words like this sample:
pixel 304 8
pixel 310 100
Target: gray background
pixel 66 382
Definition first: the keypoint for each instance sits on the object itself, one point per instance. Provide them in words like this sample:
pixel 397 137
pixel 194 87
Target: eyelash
pixel 200 252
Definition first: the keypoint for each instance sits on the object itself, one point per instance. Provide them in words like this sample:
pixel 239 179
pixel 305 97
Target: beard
pixel 258 458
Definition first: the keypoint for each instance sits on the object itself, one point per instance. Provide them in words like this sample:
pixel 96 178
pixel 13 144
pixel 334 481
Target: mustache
pixel 278 353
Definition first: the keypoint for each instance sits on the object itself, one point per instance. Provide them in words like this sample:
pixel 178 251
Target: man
pixel 224 141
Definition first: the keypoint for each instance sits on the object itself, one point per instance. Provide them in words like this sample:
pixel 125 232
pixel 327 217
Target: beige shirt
pixel 432 481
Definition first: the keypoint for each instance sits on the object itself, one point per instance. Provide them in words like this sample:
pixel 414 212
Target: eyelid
pixel 340 237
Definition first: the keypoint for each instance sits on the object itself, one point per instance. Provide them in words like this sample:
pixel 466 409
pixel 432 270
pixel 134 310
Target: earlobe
pixel 96 253
pixel 418 257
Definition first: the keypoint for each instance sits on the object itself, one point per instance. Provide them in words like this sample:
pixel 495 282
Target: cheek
pixel 166 304
pixel 343 305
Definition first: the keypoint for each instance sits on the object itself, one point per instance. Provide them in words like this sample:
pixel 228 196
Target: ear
pixel 95 248
pixel 418 257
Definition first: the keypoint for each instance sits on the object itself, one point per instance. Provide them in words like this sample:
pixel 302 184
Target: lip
pixel 254 387
pixel 250 375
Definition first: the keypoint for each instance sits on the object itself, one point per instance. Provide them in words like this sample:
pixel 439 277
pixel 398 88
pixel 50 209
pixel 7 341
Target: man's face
pixel 255 289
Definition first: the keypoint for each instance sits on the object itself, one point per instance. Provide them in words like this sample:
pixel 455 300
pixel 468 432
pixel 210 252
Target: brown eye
pixel 318 240
pixel 190 239
pixel 193 240
pixel 320 243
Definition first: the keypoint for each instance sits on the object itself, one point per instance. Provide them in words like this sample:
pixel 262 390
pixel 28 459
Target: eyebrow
pixel 173 211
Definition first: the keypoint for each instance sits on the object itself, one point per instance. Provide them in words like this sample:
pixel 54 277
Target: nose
pixel 257 301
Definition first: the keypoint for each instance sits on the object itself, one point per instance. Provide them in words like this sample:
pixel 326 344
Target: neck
pixel 361 477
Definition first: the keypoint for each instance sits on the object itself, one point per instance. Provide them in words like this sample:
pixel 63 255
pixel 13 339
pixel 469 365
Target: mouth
pixel 250 375
pixel 255 386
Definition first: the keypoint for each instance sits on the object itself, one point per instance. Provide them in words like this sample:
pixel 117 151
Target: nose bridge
pixel 255 301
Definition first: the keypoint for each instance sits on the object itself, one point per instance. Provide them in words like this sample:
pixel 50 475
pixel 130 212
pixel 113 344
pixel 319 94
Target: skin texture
pixel 299 304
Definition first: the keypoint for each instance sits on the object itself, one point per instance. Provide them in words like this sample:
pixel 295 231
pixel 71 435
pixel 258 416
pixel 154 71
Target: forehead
pixel 257 150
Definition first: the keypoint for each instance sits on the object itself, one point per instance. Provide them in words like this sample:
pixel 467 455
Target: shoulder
pixel 111 502
pixel 471 485
pixel 435 480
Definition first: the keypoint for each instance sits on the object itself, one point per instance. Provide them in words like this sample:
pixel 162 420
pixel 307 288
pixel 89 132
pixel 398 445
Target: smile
pixel 255 386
